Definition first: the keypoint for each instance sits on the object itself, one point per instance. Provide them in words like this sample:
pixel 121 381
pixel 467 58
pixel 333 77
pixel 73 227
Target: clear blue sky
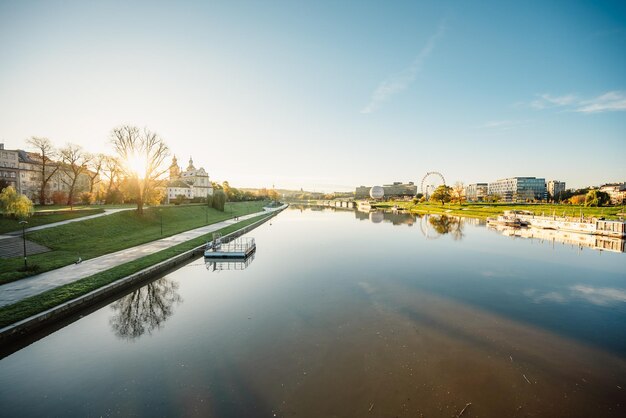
pixel 328 95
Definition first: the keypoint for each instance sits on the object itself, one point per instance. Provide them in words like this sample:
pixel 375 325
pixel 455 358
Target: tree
pixel 75 162
pixel 87 198
pixel 458 191
pixel 219 200
pixel 142 156
pixel 14 204
pixel 111 170
pixel 441 194
pixel 95 166
pixel 48 167
pixel 597 198
pixel 578 199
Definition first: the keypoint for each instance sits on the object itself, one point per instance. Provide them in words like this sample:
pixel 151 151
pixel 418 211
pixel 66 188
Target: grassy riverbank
pixel 33 305
pixel 485 210
pixel 95 237
pixel 43 218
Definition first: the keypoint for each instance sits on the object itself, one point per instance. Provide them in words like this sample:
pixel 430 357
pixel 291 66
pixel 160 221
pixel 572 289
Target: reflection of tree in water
pixel 144 310
pixel 445 224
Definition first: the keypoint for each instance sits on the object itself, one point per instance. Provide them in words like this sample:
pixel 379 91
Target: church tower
pixel 191 167
pixel 174 169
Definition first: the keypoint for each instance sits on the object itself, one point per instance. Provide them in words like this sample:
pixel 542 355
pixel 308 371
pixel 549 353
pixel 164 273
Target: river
pixel 347 314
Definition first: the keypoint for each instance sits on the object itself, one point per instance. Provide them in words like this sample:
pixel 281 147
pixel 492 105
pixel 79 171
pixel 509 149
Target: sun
pixel 137 164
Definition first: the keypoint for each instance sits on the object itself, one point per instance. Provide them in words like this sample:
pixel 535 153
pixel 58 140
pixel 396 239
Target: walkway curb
pixel 26 326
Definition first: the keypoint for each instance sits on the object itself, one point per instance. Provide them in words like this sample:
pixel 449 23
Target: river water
pixel 348 314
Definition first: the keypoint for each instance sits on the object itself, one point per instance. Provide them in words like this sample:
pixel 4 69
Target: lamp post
pixel 24 223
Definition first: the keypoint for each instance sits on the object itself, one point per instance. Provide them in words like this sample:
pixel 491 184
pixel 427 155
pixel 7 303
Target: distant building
pixel 30 177
pixel 396 189
pixel 476 192
pixel 9 167
pixel 555 189
pixel 519 189
pixel 617 191
pixel 191 183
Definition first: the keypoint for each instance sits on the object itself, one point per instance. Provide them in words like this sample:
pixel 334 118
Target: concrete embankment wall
pixel 45 318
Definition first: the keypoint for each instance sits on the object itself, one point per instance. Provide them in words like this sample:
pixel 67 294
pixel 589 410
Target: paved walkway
pixel 34 285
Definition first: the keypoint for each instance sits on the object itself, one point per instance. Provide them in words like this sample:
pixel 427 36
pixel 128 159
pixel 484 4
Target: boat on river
pixel 582 225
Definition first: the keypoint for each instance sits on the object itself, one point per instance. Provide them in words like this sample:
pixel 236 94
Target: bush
pixel 87 198
pixel 14 204
pixel 114 197
pixel 59 198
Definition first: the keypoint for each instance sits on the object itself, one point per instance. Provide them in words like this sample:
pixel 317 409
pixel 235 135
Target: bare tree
pixel 94 168
pixel 458 191
pixel 48 167
pixel 111 170
pixel 75 162
pixel 142 156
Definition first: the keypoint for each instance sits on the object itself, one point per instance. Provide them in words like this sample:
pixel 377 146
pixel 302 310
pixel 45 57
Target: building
pixel 617 192
pixel 193 183
pixel 30 178
pixel 476 192
pixel 9 167
pixel 396 189
pixel 519 189
pixel 555 189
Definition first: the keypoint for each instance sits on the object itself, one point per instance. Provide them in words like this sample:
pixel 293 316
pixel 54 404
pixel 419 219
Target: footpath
pixel 21 289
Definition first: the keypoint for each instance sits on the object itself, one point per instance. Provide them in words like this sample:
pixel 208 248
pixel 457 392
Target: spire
pixel 191 167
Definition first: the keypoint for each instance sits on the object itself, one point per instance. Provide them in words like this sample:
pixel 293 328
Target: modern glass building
pixel 519 189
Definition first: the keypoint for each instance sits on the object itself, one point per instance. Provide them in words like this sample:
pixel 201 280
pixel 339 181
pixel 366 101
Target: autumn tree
pixel 15 204
pixel 75 161
pixel 441 194
pixel 142 155
pixel 458 191
pixel 48 167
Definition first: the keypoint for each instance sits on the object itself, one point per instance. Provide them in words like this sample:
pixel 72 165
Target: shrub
pixel 87 198
pixel 59 197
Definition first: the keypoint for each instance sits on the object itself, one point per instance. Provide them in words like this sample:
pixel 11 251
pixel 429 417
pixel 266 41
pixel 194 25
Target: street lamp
pixel 24 223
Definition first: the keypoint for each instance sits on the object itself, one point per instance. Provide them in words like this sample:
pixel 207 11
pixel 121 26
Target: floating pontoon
pixel 220 247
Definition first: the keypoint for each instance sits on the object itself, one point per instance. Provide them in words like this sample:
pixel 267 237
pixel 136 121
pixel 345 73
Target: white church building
pixel 191 183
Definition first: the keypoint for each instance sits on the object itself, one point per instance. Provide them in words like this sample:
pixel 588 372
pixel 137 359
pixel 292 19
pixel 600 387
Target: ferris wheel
pixel 430 182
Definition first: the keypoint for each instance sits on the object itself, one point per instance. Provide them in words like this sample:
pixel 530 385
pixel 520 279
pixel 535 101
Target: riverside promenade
pixel 21 289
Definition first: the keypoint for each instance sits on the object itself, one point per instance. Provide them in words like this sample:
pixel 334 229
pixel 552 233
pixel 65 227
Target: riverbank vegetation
pixel 39 303
pixel 95 237
pixel 485 210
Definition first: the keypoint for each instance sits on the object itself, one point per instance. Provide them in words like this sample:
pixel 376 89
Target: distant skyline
pixel 328 95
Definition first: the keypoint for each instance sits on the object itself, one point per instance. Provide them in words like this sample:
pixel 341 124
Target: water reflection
pixel 394 217
pixel 445 224
pixel 217 265
pixel 550 236
pixel 144 310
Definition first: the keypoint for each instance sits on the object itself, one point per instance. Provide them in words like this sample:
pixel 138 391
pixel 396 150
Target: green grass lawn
pixel 39 303
pixel 485 210
pixel 40 218
pixel 95 237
